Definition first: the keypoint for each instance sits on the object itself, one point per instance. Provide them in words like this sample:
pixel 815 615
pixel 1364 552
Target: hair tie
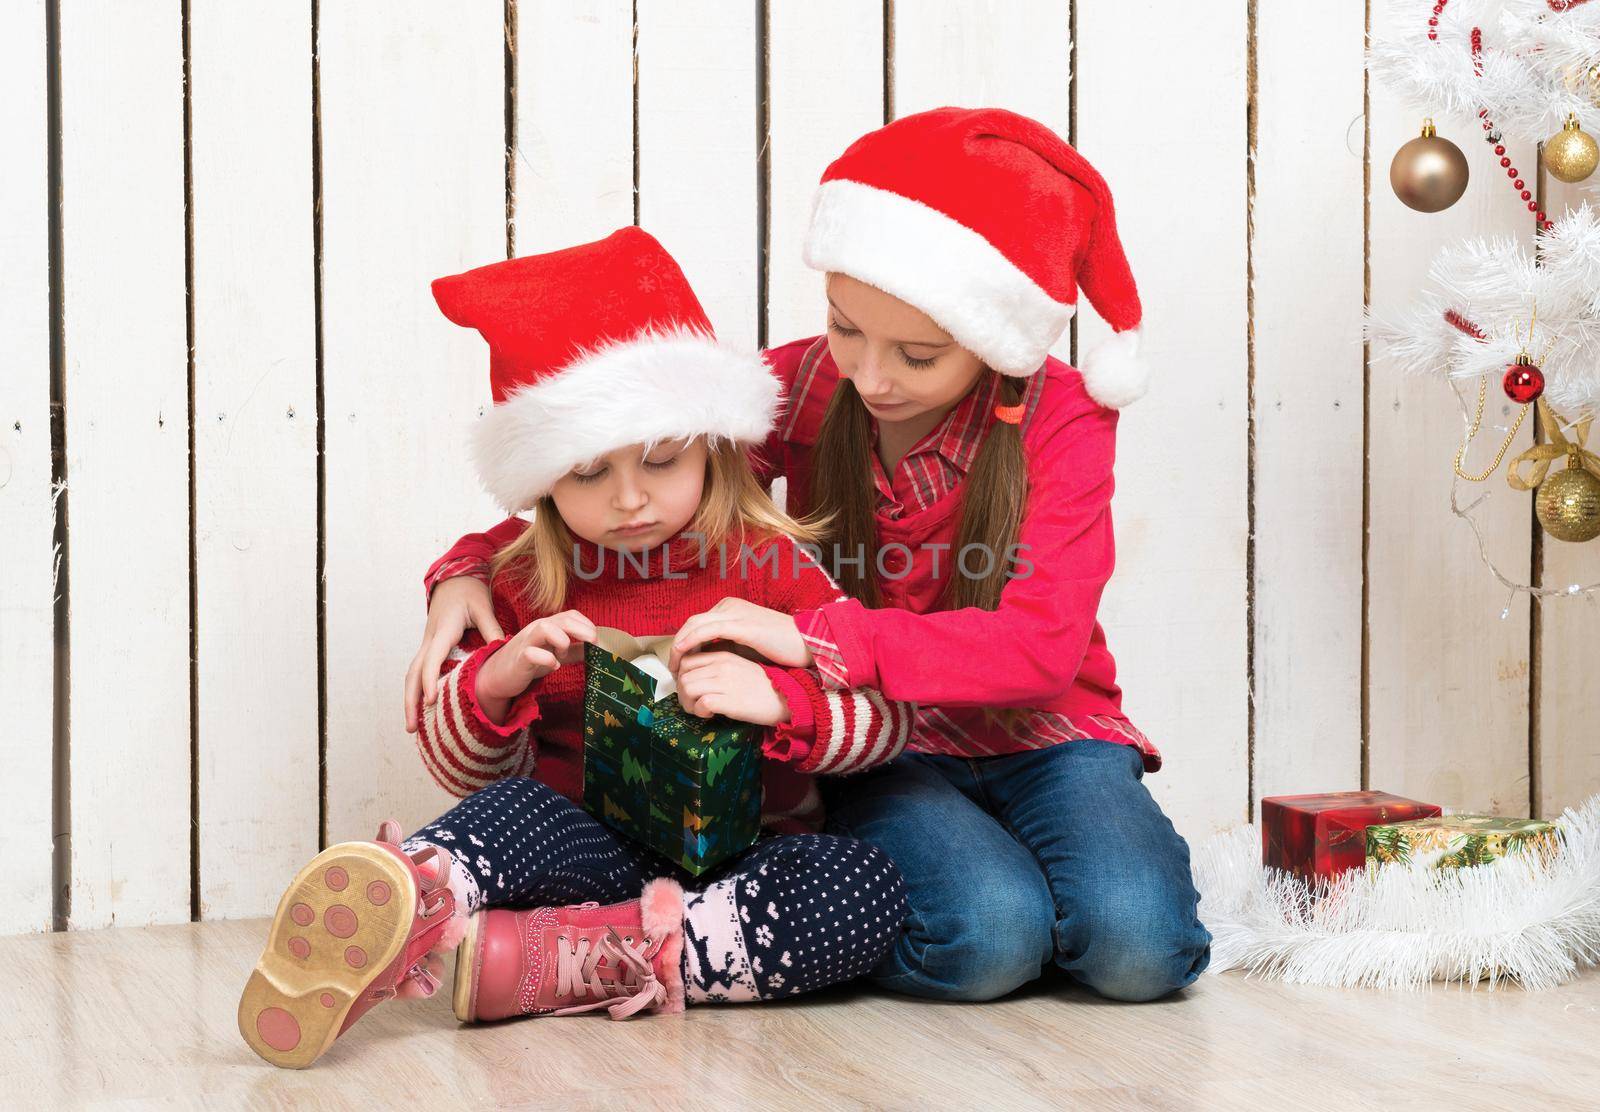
pixel 1010 414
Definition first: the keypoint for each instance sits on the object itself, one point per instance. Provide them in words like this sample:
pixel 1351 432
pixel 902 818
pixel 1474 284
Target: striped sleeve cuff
pixel 460 757
pixel 818 636
pixel 857 730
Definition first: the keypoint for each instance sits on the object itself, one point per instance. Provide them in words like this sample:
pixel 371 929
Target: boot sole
pixel 465 993
pixel 342 922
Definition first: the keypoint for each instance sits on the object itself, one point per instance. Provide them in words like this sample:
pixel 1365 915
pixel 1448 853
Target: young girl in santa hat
pixel 975 473
pixel 624 426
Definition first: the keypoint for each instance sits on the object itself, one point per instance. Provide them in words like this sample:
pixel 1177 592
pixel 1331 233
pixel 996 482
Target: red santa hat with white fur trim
pixel 593 348
pixel 988 222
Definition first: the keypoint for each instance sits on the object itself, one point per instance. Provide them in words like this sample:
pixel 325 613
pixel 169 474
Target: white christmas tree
pixel 1531 64
pixel 1491 299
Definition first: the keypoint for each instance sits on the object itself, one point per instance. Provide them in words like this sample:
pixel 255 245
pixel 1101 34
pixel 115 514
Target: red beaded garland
pixel 1433 23
pixel 1491 135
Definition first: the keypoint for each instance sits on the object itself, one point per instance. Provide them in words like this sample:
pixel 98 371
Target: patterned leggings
pixel 792 914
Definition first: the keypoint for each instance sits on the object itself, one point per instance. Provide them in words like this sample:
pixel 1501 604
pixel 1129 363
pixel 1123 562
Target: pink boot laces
pixel 578 975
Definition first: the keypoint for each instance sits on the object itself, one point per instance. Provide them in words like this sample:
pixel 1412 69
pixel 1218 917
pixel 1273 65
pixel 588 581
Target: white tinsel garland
pixel 1493 287
pixel 1532 922
pixel 1533 68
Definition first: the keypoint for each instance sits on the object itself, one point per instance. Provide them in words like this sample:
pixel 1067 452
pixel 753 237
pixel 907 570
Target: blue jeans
pixel 1055 854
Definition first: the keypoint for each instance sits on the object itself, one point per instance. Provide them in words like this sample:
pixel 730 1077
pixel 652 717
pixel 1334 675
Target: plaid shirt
pixel 940 460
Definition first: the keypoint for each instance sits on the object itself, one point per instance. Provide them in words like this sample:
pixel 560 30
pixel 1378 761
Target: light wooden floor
pixel 146 1017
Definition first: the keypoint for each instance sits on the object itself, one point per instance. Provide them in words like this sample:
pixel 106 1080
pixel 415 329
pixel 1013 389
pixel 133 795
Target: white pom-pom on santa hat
pixel 1112 371
pixel 989 223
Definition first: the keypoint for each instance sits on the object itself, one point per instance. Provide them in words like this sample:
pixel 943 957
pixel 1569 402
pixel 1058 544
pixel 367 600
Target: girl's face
pixel 633 500
pixel 903 365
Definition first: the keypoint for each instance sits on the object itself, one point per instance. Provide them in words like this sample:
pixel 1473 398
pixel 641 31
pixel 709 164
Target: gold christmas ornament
pixel 1571 154
pixel 1568 504
pixel 1429 173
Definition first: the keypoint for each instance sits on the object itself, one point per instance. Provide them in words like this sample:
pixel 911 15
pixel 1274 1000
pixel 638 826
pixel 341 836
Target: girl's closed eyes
pixel 906 357
pixel 657 461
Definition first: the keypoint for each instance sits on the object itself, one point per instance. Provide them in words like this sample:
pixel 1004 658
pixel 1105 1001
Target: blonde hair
pixel 733 508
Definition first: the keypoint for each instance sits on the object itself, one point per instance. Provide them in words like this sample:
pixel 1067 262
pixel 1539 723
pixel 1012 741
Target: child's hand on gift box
pixel 727 684
pixel 538 649
pixel 769 633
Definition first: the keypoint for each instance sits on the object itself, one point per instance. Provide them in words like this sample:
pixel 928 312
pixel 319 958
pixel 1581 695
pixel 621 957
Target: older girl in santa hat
pixel 624 426
pixel 967 477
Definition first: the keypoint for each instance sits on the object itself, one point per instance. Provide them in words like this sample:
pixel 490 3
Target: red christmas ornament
pixel 1524 382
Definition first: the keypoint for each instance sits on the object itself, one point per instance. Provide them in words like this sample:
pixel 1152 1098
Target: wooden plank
pixel 1306 238
pixel 574 165
pixel 128 461
pixel 255 450
pixel 697 150
pixel 1175 610
pixel 27 665
pixel 413 187
pixel 825 91
pixel 1569 629
pixel 1012 54
pixel 985 53
pixel 1448 676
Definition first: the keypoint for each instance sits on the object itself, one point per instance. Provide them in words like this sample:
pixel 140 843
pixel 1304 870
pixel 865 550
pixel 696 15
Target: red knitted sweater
pixel 646 595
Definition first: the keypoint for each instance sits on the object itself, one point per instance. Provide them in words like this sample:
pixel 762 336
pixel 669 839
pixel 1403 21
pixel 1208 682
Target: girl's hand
pixel 728 684
pixel 538 649
pixel 771 633
pixel 457 605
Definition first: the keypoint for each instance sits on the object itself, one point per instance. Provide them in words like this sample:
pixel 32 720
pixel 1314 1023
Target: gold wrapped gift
pixel 1459 841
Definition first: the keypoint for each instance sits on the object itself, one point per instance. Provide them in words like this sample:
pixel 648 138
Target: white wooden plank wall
pixel 573 170
pixel 255 394
pixel 1259 644
pixel 127 403
pixel 413 187
pixel 27 665
pixel 1306 254
pixel 1175 613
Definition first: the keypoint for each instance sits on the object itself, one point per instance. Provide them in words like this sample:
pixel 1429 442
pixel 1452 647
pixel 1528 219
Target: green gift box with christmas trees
pixel 687 787
pixel 1459 841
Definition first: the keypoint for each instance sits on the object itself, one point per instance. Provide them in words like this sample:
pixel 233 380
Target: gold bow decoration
pixel 1540 457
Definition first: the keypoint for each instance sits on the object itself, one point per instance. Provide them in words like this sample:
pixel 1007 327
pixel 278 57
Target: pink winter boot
pixel 561 960
pixel 353 928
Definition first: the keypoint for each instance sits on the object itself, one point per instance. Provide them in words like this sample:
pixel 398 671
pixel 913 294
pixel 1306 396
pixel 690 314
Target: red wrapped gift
pixel 1317 837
